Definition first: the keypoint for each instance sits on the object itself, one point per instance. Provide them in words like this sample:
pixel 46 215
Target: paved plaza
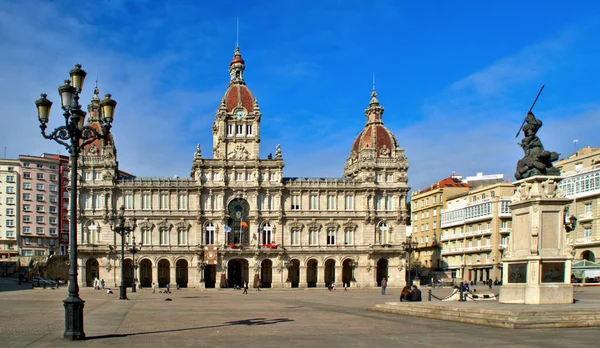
pixel 270 318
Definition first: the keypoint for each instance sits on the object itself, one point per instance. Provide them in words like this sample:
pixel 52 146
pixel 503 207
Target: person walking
pixel 102 283
pixel 258 285
pixel 345 286
pixel 489 284
pixel 168 291
pixel 383 285
pixel 153 288
pixel 245 288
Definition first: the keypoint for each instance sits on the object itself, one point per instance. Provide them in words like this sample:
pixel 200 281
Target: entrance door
pixel 382 271
pixel 210 276
pixel 266 273
pixel 235 273
pixel 146 273
pixel 330 272
pixel 346 272
pixel 311 274
pixel 164 272
pixel 181 273
pixel 295 273
pixel 92 271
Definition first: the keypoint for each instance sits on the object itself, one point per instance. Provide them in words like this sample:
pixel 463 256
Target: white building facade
pixel 238 218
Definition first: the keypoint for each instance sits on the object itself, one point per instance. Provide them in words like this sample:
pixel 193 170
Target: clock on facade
pixel 239 114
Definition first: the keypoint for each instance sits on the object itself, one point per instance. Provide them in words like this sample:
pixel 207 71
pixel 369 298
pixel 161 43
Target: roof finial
pixel 373 81
pixel 96 91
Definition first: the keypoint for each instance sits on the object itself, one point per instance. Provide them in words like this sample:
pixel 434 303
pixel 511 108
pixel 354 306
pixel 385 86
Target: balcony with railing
pixel 471 249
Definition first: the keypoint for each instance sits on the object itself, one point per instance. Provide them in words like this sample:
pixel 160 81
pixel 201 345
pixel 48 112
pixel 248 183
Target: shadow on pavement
pixel 248 322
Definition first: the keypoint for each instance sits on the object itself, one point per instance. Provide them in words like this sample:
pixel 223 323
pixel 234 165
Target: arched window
pixel 209 234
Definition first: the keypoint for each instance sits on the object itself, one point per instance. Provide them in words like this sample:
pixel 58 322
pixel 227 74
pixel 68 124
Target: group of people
pixel 413 295
pixel 99 284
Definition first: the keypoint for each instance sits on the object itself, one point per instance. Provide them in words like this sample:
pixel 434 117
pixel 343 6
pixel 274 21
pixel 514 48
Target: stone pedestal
pixel 537 260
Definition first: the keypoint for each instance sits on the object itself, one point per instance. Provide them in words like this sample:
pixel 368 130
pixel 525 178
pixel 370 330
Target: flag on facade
pixel 227 229
pixel 244 224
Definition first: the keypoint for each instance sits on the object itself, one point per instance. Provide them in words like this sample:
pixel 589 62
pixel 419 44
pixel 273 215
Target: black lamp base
pixel 74 319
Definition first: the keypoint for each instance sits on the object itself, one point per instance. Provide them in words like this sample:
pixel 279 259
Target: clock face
pixel 211 255
pixel 239 114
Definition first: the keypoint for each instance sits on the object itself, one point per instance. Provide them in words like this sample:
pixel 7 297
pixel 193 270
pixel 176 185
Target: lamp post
pixel 74 136
pixel 134 249
pixel 409 246
pixel 118 225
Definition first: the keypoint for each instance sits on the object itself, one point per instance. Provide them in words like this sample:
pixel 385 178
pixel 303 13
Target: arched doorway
pixel 237 272
pixel 181 273
pixel 295 273
pixel 588 255
pixel 128 270
pixel 347 272
pixel 164 272
pixel 92 271
pixel 146 273
pixel 266 273
pixel 382 271
pixel 210 276
pixel 329 272
pixel 238 221
pixel 311 273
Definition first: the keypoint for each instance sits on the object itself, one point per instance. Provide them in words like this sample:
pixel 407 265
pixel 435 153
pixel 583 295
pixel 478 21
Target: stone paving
pixel 270 318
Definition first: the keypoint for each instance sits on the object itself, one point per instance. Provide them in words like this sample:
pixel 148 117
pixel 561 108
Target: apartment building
pixel 426 207
pixel 63 201
pixel 9 203
pixel 39 220
pixel 475 227
pixel 581 172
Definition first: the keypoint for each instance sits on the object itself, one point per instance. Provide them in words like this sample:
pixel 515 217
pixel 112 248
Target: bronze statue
pixel 536 161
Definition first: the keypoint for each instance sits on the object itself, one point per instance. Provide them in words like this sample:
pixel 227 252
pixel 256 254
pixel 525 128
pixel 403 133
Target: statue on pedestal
pixel 536 161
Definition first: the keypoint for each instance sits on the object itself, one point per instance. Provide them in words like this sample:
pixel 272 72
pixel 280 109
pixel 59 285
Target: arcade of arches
pixel 271 273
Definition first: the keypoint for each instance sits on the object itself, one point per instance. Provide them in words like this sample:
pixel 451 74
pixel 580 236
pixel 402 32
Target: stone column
pixel 321 277
pixel 173 277
pixel 338 276
pixel 537 259
pixel 303 281
pixel 155 274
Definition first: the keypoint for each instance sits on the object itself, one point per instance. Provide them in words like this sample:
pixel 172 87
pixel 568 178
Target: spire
pixel 236 68
pixel 96 96
pixel 374 111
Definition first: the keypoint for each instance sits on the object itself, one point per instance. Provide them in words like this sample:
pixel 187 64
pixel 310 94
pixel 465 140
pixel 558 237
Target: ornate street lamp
pixel 74 136
pixel 134 249
pixel 409 246
pixel 119 226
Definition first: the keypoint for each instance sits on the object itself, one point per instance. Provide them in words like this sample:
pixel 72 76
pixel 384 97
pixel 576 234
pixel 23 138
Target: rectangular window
pixel 389 203
pixel 10 223
pixel 53 188
pixel 27 241
pixel 98 201
pixel 331 202
pixel 129 201
pixel 39 187
pixel 587 234
pixel 229 129
pixel 26 218
pixel 349 237
pixel 330 237
pixel 146 236
pixel 11 178
pixel 26 186
pixel 40 176
pixel 239 129
pixel 313 237
pixel 87 176
pixel 52 230
pixel 314 201
pixel 182 201
pixel 39 230
pixel 86 200
pixel 39 197
pixel 26 175
pixel 52 177
pixel 295 237
pixel 164 237
pixel 378 203
pixel 349 202
pixel 389 177
pixel 52 220
pixel 39 208
pixel 164 201
pixel 10 211
pixel 249 130
pixel 52 199
pixel 209 237
pixel 39 219
pixel 40 166
pixel 181 237
pixel 296 202
pixel 146 201
pixel 588 210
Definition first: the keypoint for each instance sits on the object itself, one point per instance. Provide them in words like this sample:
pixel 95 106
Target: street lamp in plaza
pixel 409 246
pixel 119 226
pixel 74 136
pixel 134 249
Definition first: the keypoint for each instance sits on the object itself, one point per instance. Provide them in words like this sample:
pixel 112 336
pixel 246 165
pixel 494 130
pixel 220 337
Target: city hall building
pixel 238 218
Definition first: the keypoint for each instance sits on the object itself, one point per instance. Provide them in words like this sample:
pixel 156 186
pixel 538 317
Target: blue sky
pixel 455 78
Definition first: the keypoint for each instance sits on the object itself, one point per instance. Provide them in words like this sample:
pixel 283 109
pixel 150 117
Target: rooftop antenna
pixel 237 33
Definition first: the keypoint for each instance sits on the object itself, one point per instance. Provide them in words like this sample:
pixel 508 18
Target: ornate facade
pixel 237 218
